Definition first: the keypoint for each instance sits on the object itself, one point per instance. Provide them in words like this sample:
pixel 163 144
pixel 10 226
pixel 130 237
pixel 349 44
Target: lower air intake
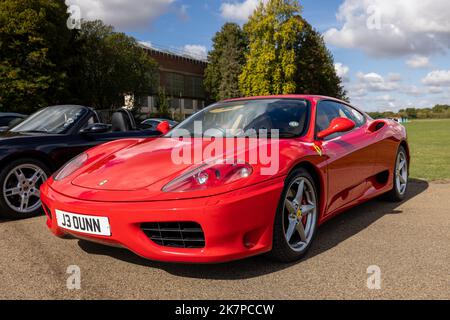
pixel 175 234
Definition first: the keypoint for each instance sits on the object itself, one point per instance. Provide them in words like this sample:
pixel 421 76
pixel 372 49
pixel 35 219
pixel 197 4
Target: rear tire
pixel 20 182
pixel 400 179
pixel 296 219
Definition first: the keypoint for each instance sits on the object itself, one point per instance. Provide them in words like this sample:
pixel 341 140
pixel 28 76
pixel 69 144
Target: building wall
pixel 182 78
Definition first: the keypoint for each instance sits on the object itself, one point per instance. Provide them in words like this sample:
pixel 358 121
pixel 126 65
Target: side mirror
pixel 96 128
pixel 163 127
pixel 337 125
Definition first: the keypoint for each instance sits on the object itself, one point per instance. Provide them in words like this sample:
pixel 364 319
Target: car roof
pixel 298 96
pixel 287 96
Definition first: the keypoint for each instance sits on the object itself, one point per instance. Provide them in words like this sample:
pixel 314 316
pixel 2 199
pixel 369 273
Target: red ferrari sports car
pixel 241 177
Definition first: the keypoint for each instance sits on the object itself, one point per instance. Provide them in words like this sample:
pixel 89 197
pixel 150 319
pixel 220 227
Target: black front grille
pixel 175 234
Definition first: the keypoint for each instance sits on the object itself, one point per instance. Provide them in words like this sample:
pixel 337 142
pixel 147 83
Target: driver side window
pixel 327 111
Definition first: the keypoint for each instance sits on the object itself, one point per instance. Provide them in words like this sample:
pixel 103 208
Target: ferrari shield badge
pixel 318 149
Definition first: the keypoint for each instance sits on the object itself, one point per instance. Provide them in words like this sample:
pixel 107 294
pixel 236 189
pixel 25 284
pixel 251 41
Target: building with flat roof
pixel 181 75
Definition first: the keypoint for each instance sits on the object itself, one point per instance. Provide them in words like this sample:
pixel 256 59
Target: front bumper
pixel 236 225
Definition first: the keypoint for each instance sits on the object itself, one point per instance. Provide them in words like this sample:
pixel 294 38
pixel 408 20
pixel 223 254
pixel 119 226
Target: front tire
pixel 20 182
pixel 401 175
pixel 296 219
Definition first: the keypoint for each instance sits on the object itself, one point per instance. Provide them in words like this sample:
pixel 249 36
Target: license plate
pixel 83 224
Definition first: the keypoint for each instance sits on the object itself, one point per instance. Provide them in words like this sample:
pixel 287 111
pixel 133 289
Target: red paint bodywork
pixel 237 219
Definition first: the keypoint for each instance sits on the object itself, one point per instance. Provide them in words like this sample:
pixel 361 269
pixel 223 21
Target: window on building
pixel 197 87
pixel 175 103
pixel 175 84
pixel 188 104
pixel 141 101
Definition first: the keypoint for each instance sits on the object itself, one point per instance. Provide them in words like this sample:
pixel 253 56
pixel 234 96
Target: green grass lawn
pixel 429 141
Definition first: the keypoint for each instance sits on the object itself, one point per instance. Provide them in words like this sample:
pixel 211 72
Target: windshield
pixel 53 120
pixel 238 118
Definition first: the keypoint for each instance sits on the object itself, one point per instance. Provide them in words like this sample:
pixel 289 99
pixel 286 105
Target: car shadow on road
pixel 329 235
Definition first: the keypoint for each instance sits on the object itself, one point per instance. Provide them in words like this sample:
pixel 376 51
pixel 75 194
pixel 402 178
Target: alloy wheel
pixel 299 214
pixel 401 172
pixel 21 188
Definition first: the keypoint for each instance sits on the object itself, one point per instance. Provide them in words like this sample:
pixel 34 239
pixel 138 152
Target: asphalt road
pixel 410 242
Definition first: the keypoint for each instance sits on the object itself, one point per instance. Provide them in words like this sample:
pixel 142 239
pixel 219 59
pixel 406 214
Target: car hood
pixel 137 170
pixel 150 164
pixel 132 168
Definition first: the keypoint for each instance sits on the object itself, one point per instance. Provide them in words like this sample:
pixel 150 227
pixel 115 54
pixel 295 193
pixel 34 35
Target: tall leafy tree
pixel 35 53
pixel 225 63
pixel 271 66
pixel 111 65
pixel 163 104
pixel 316 73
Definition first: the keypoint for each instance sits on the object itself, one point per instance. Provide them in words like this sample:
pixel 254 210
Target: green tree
pixel 271 66
pixel 225 63
pixel 315 64
pixel 111 65
pixel 35 54
pixel 163 105
pixel 411 113
pixel 440 108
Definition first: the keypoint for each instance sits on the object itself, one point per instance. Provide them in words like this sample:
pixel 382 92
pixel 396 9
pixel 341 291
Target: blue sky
pixel 390 54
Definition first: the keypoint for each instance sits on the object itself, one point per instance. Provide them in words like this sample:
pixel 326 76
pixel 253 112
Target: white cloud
pixel 385 98
pixel 357 91
pixel 375 82
pixel 342 71
pixel 414 91
pixel 147 44
pixel 123 14
pixel 238 11
pixel 418 61
pixel 183 12
pixel 437 78
pixel 435 90
pixel 394 77
pixel 393 28
pixel 196 51
pixel 385 102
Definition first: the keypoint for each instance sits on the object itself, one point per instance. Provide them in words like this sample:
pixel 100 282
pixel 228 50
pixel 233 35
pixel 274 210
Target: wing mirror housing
pixel 96 128
pixel 163 127
pixel 337 125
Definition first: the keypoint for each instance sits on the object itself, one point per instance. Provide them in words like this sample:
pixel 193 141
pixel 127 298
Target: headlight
pixel 209 175
pixel 71 167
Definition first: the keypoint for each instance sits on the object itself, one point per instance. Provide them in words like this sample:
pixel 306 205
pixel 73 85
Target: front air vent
pixel 47 211
pixel 175 234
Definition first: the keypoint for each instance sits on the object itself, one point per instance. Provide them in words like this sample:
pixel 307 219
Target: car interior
pixel 122 121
